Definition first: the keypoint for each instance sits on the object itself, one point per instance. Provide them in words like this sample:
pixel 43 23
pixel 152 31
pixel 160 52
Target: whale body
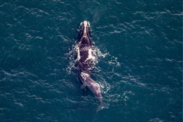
pixel 85 60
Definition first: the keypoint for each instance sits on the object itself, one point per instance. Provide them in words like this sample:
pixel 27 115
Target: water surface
pixel 139 63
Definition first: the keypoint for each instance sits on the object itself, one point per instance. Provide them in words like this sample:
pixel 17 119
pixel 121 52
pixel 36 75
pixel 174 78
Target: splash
pixel 103 57
pixel 72 54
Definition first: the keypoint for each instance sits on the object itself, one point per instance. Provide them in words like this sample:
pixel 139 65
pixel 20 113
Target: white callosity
pixel 85 25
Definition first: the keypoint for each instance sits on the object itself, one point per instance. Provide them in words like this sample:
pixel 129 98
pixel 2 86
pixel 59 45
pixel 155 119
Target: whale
pixel 85 61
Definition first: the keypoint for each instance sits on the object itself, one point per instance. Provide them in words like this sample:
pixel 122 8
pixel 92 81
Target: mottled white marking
pixel 95 84
pixel 90 55
pixel 84 75
pixel 84 49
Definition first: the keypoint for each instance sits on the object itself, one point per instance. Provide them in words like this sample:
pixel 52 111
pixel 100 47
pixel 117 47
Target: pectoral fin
pixel 83 85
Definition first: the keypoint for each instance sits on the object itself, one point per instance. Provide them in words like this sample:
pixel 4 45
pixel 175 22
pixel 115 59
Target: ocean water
pixel 138 66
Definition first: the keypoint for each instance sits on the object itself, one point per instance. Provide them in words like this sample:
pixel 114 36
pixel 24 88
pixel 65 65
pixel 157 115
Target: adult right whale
pixel 85 60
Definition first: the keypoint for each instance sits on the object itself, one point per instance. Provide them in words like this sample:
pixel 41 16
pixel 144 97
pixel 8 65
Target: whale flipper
pixel 83 86
pixel 100 107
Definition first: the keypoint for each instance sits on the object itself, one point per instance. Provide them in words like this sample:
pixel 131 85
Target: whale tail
pixel 94 87
pixel 100 107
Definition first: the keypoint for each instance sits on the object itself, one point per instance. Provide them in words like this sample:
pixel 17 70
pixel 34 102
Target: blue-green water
pixel 139 60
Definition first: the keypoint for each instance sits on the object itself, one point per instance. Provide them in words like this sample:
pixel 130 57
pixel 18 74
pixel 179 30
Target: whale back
pixel 85 52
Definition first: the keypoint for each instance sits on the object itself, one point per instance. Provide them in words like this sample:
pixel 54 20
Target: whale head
pixel 85 28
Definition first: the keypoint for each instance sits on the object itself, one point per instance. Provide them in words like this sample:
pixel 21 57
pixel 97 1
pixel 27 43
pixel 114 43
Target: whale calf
pixel 85 59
